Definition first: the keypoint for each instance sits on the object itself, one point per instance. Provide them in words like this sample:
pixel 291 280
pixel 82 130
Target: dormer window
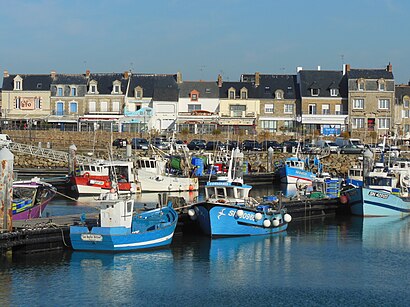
pixel 279 94
pixel 267 89
pixel 116 87
pixel 93 87
pixel 360 85
pixel 73 91
pixel 231 93
pixel 39 85
pixel 18 83
pixel 406 101
pixel 314 91
pixel 244 93
pixel 60 91
pixel 138 92
pixel 382 85
pixel 194 95
pixel 334 92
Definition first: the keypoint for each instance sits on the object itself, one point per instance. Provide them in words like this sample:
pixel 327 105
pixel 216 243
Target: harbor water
pixel 332 261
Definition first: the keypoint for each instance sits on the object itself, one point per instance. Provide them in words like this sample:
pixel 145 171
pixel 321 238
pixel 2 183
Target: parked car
pixel 197 144
pixel 119 143
pixel 139 143
pixel 250 145
pixel 333 147
pixel 310 149
pixel 212 145
pixel 274 144
pixel 158 143
pixel 350 149
pixel 231 145
pixel 289 145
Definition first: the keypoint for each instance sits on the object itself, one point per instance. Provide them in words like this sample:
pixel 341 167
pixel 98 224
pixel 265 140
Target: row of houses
pixel 329 102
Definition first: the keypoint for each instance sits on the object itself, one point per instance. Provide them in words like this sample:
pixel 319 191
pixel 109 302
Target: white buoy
pixel 192 214
pixel 239 213
pixel 258 216
pixel 287 218
pixel 275 223
pixel 266 223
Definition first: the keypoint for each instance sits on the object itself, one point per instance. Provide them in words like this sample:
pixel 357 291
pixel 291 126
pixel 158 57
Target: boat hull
pixel 96 186
pixel 295 175
pixel 115 239
pixel 168 184
pixel 30 213
pixel 371 202
pixel 222 221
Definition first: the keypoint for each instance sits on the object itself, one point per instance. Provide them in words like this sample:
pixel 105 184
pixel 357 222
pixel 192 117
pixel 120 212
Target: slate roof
pixel 401 91
pixel 253 92
pixel 159 87
pixel 206 89
pixel 105 82
pixel 369 74
pixel 30 82
pixel 323 80
pixel 69 79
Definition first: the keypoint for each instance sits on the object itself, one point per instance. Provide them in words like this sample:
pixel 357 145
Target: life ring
pixel 87 175
pixel 221 201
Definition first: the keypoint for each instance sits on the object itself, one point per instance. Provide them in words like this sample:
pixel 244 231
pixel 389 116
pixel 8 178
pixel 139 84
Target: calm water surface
pixel 327 262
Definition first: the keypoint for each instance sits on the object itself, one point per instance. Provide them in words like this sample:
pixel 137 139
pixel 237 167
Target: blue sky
pixel 203 38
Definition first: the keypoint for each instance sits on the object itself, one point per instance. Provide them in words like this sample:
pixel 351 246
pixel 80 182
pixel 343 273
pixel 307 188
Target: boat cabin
pixel 230 191
pixel 116 213
pixel 295 163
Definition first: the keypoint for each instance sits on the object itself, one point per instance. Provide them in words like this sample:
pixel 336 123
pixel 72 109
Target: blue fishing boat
pixel 228 210
pixel 294 171
pixel 377 202
pixel 121 229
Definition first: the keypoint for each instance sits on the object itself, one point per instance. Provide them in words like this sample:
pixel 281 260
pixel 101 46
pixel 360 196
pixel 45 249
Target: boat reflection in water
pixel 384 232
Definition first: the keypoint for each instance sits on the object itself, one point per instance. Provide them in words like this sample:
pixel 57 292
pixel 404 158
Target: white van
pixel 327 144
pixel 5 140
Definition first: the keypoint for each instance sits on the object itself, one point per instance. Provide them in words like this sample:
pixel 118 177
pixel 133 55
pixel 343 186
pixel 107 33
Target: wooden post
pixel 6 189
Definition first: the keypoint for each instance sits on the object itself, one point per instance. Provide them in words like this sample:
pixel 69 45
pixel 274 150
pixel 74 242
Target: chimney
pixel 299 68
pixel 179 77
pixel 87 73
pixel 6 74
pixel 346 68
pixel 257 79
pixel 219 80
pixel 389 68
pixel 318 67
pixel 53 74
pixel 126 75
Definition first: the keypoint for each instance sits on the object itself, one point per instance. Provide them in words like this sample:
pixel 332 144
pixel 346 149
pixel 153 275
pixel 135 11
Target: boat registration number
pixel 379 195
pixel 91 237
pixel 97 182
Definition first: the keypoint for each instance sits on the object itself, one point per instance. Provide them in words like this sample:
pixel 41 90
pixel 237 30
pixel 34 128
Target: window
pixel 406 128
pixel 231 94
pixel 358 122
pixel 382 85
pixel 268 108
pixel 116 106
pixel 17 85
pixel 39 85
pixel 358 103
pixel 334 92
pixel 194 107
pixel 18 101
pixel 116 89
pixel 406 102
pixel 37 102
pixel 59 91
pixel 91 106
pixel 73 107
pixel 138 92
pixel 60 108
pixel 267 89
pixel 406 113
pixel 279 94
pixel 208 90
pixel 237 110
pixel 244 93
pixel 314 92
pixel 384 123
pixel 269 125
pixel 194 95
pixel 73 91
pixel 312 108
pixel 104 106
pixel 360 85
pixel 384 104
pixel 338 109
pixel 289 125
pixel 288 109
pixel 93 88
pixel 325 109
